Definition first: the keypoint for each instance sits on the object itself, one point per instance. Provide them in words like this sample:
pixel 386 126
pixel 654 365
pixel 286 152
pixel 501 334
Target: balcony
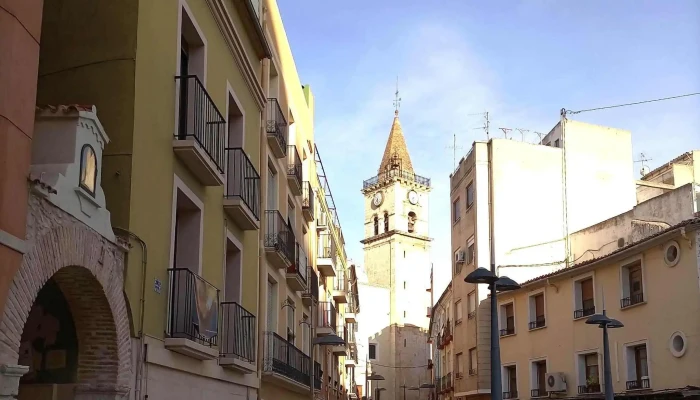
pixel 638 384
pixel 588 308
pixel 311 293
pixel 326 255
pixel 507 331
pixel 448 382
pixel 193 306
pixel 322 222
pixel 351 308
pixel 238 338
pixel 341 350
pixel 242 194
pixel 279 240
pixel 636 298
pixel 200 139
pixel 276 127
pixel 340 289
pixel 538 393
pixel 318 376
pixel 392 175
pixel 308 201
pixel 296 272
pixel 286 365
pixel 326 318
pixel 471 315
pixel 294 167
pixel 513 394
pixel 539 322
pixel 589 388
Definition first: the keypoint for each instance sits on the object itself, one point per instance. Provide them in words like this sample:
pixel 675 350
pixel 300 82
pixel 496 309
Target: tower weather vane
pixel 397 99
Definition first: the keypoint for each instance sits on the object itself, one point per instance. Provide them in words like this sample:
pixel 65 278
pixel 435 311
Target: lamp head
pixel 481 275
pixel 598 319
pixel 615 323
pixel 375 377
pixel 329 340
pixel 504 284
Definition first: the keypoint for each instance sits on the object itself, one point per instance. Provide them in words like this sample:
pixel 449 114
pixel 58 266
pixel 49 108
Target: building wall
pixel 20 32
pixel 670 294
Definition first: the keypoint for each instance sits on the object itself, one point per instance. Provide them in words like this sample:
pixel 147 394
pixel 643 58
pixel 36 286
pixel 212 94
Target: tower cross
pixel 397 99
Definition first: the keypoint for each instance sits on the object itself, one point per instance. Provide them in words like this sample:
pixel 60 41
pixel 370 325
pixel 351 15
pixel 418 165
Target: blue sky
pixel 520 60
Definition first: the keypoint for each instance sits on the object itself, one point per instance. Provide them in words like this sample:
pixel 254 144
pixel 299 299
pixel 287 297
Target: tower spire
pixel 396 153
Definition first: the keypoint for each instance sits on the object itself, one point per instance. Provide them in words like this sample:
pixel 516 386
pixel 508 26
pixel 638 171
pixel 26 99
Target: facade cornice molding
pixel 233 41
pixel 393 232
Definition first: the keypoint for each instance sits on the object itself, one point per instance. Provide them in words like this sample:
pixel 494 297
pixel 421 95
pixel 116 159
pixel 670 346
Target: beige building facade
pixel 650 285
pixel 397 263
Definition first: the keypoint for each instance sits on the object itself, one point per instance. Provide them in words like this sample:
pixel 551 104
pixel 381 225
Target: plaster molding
pixel 233 41
pixel 9 240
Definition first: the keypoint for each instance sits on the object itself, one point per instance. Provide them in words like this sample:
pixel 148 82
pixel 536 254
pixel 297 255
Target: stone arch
pixel 89 271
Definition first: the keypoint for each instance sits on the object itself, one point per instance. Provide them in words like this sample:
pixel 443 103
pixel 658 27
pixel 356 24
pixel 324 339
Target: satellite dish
pixel 644 171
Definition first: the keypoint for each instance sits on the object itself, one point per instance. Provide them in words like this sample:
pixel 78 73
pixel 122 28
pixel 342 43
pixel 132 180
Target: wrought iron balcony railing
pixel 472 371
pixel 326 315
pixel 318 375
pixel 340 282
pixel 283 358
pixel 312 286
pixel 471 315
pixel 589 388
pixel 279 235
pixel 188 316
pixel 238 337
pixel 308 198
pixel 513 394
pixel 632 300
pixel 242 180
pixel 588 308
pixel 199 119
pixel 508 331
pixel 294 165
pixel 539 322
pixel 388 176
pixel 538 393
pixel 276 122
pixel 638 384
pixel 300 266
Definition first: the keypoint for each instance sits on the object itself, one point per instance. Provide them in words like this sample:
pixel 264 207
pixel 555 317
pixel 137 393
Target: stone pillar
pixel 100 392
pixel 9 380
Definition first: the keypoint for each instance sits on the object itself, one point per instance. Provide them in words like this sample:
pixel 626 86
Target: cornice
pixel 233 41
pixel 394 232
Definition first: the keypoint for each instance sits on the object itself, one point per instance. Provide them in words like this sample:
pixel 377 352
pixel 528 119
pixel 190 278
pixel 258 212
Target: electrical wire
pixel 632 104
pixel 395 367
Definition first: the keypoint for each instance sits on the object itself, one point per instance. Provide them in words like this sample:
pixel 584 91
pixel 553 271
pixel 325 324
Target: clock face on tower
pixel 413 197
pixel 377 199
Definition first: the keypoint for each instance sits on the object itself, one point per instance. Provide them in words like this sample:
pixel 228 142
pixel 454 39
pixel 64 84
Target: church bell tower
pixel 397 262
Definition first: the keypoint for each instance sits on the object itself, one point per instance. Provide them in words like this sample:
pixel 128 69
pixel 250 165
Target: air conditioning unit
pixel 460 256
pixel 556 382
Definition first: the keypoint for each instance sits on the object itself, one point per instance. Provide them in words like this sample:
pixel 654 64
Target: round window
pixel 677 344
pixel 672 253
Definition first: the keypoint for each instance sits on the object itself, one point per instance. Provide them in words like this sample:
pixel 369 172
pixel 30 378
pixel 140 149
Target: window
pixel 510 382
pixel 291 325
pixel 411 222
pixel 471 302
pixel 470 250
pixel 271 306
pixel 376 225
pixel 386 222
pixel 88 169
pixel 672 252
pixel 632 288
pixel 271 188
pixel 459 260
pixel 539 374
pixel 637 367
pixel 455 210
pixel 372 351
pixel 305 333
pixel 458 311
pixel 404 314
pixel 404 341
pixel 589 381
pixel 585 303
pixel 187 227
pixel 556 143
pixel 470 194
pixel 472 361
pixel 291 215
pixel 404 284
pixel 537 318
pixel 507 319
pixel 458 365
pixel 678 344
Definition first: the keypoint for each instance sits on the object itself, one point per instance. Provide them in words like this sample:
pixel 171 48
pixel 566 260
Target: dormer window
pixel 88 169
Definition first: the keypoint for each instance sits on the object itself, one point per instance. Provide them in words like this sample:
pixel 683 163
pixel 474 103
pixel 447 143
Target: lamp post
pixel 373 377
pixel 328 340
pixel 496 284
pixel 605 322
pixel 379 391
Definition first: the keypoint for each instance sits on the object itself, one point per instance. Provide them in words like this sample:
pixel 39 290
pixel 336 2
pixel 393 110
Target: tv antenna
pixel 644 169
pixel 454 148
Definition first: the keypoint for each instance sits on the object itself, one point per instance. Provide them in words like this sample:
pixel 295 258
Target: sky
pixel 522 61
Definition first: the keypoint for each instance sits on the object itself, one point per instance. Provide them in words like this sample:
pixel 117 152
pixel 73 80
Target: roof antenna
pixel 397 99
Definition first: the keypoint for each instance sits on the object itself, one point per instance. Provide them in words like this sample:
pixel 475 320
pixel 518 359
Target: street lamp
pixel 373 377
pixel 328 340
pixel 379 391
pixel 605 322
pixel 496 284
